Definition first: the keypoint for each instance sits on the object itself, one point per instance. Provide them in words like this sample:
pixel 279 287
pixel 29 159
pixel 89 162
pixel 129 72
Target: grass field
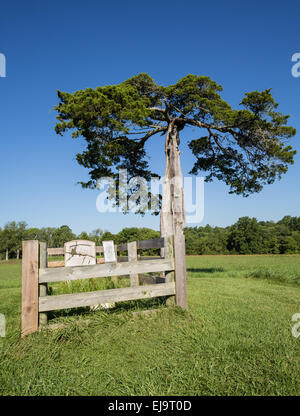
pixel 235 339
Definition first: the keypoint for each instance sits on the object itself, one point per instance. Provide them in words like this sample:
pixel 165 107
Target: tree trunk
pixel 6 255
pixel 172 217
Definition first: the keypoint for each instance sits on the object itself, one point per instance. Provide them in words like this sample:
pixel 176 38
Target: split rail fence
pixel 37 272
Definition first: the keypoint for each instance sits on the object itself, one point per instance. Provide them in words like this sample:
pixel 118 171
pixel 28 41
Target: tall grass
pixel 235 339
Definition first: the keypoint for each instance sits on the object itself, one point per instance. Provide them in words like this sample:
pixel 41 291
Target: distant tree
pixel 107 236
pixel 293 223
pixel 46 234
pixel 288 245
pixel 32 233
pixel 270 243
pixel 83 236
pixel 11 237
pixel 246 237
pixel 96 236
pixel 136 234
pixel 61 235
pixel 296 237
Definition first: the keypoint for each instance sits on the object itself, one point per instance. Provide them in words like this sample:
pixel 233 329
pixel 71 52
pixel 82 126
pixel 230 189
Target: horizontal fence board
pixel 122 247
pixel 144 258
pixel 123 259
pixel 153 243
pixel 143 244
pixel 55 251
pixel 51 303
pixel 56 264
pixel 104 270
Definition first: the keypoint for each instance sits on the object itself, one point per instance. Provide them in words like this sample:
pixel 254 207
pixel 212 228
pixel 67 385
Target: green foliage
pixel 62 235
pixel 246 147
pixel 11 237
pixel 246 236
pixel 104 117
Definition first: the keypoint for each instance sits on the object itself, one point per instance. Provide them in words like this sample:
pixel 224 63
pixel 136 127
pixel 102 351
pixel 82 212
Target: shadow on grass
pixel 273 276
pixel 206 270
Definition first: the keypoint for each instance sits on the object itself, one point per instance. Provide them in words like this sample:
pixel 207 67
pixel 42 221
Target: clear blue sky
pixel 70 45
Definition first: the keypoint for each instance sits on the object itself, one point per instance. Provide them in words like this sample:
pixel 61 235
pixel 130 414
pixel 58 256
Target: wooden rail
pixel 141 245
pixel 36 274
pixel 61 274
pixel 51 303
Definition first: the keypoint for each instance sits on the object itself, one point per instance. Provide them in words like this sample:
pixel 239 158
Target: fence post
pixel 116 279
pixel 132 256
pixel 168 252
pixel 30 283
pixel 180 270
pixel 43 287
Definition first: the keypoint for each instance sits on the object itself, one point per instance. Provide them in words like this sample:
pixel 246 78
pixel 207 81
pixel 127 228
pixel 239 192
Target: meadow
pixel 235 339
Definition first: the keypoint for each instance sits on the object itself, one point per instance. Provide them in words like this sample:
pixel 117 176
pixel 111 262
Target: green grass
pixel 234 340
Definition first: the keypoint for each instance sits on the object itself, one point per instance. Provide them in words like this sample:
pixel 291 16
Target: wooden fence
pixel 36 274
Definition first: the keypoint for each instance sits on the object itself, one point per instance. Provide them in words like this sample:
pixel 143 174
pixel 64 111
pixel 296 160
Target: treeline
pixel 13 233
pixel 246 236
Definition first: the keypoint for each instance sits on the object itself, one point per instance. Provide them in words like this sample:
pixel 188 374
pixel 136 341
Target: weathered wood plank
pixel 132 257
pixel 169 276
pixel 169 254
pixel 153 243
pixel 104 270
pixel 180 270
pixel 123 259
pixel 56 251
pixel 49 303
pixel 110 254
pixel 30 287
pixel 144 258
pixel 59 263
pixel 43 287
pixel 143 244
pixel 80 253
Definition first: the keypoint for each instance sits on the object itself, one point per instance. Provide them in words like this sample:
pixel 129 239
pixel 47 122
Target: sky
pixel 71 45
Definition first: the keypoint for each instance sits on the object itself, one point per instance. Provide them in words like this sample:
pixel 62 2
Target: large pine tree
pixel 246 148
